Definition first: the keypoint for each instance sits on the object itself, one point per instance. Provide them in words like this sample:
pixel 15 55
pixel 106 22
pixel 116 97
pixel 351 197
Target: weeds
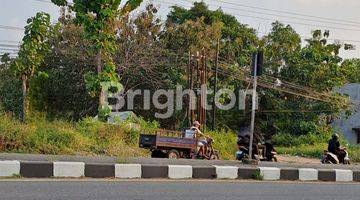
pixel 257 175
pixel 86 137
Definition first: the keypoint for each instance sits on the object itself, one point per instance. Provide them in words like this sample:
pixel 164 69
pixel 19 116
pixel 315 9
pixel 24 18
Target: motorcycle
pixel 265 152
pixel 269 153
pixel 330 158
pixel 210 152
pixel 243 153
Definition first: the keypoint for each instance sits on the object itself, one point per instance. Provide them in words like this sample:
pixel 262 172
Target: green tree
pixel 32 52
pixel 200 28
pixel 313 67
pixel 62 93
pixel 98 18
pixel 10 87
pixel 354 69
pixel 237 40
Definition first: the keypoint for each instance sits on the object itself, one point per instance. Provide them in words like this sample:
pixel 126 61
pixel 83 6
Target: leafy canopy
pixel 34 45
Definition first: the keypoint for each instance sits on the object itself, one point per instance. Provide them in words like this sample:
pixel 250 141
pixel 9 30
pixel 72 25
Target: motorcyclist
pixel 244 143
pixel 201 139
pixel 270 151
pixel 335 148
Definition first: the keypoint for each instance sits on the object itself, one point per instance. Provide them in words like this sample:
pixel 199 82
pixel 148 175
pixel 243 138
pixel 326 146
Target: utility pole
pixel 198 85
pixel 192 112
pixel 253 105
pixel 203 93
pixel 215 85
pixel 257 66
pixel 189 72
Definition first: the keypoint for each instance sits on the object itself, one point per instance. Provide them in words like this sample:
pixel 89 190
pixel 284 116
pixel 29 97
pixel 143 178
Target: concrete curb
pixel 9 168
pixel 226 172
pixel 127 171
pixel 270 173
pixel 307 174
pixel 69 169
pixel 180 171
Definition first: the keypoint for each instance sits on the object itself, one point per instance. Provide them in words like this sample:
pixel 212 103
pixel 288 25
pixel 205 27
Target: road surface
pixel 173 190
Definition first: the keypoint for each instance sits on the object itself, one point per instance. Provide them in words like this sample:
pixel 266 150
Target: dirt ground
pixel 297 159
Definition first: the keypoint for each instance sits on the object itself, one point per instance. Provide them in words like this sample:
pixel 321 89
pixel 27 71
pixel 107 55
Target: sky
pixel 341 18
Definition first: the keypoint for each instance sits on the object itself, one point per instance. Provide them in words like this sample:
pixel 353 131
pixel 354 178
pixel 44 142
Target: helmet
pixel 335 136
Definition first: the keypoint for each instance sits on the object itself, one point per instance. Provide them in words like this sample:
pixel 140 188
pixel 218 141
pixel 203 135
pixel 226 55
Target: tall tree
pixel 314 66
pixel 63 92
pixel 32 53
pixel 199 27
pixel 98 18
pixel 237 39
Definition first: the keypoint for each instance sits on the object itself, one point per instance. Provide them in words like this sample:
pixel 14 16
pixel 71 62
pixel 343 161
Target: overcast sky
pixel 345 15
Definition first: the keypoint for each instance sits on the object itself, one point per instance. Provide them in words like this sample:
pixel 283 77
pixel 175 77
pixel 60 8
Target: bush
pixel 316 150
pixel 312 144
pixel 86 137
pixel 225 142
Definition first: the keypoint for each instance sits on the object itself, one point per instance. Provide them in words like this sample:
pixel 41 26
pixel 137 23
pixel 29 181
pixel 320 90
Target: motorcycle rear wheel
pixel 214 156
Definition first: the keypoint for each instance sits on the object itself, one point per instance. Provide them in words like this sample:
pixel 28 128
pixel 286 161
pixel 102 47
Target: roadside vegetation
pixel 87 137
pixel 58 72
pixel 311 145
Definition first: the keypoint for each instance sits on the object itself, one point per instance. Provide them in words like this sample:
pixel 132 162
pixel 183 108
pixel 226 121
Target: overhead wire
pixel 286 21
pixel 277 15
pixel 287 12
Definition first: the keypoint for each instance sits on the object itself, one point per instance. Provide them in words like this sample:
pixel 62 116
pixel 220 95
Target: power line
pixel 44 1
pixel 10 41
pixel 277 15
pixel 332 39
pixel 290 22
pixel 304 37
pixel 287 12
pixel 12 50
pixel 11 28
pixel 291 88
pixel 8 45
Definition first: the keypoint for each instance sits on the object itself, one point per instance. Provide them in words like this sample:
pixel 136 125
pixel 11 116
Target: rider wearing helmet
pixel 335 148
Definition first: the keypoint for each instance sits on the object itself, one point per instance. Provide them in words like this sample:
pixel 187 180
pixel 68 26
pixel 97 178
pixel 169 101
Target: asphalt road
pixel 174 190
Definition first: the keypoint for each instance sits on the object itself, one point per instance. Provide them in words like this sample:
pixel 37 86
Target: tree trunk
pixel 25 105
pixel 99 70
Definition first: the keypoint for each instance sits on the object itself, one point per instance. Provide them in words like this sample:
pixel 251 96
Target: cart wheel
pixel 173 154
pixel 214 156
pixel 157 154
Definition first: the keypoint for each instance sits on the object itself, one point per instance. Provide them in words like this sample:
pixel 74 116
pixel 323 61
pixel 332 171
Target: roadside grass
pixel 225 143
pixel 90 137
pixel 311 146
pixel 13 176
pixel 257 175
pixel 86 137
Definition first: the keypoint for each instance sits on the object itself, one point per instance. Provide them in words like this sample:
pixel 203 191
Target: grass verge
pixel 88 137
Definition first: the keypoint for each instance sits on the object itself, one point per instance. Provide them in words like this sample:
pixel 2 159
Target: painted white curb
pixel 9 168
pixel 344 175
pixel 69 169
pixel 308 174
pixel 270 173
pixel 226 172
pixel 180 171
pixel 128 171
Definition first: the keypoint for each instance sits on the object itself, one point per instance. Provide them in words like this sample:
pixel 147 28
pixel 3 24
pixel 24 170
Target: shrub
pixel 225 142
pixel 86 137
